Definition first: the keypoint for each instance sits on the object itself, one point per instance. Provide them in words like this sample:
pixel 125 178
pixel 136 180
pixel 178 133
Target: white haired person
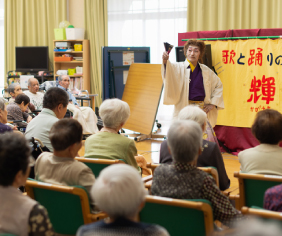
pixel 108 144
pixel 84 115
pixel 36 98
pixel 3 118
pixel 119 191
pixel 210 156
pixel 183 180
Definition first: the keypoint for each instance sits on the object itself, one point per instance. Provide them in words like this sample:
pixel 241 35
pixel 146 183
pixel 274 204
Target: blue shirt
pixel 71 97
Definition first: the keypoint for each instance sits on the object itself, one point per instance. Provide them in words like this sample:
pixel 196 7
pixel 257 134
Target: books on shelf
pixel 76 84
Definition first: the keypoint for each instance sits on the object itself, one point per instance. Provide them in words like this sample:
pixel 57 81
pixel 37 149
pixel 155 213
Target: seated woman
pixel 182 180
pixel 14 90
pixel 108 144
pixel 16 110
pixel 20 215
pixel 265 158
pixel 210 156
pixel 120 193
pixel 3 117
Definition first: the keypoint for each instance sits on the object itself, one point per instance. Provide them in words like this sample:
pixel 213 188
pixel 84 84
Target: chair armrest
pixel 147 178
pixel 236 199
pixel 97 217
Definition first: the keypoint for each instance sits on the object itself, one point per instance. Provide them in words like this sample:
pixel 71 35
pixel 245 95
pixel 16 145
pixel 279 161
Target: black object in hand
pixel 168 47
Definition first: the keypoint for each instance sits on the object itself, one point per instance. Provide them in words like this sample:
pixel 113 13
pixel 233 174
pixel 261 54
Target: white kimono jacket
pixel 176 88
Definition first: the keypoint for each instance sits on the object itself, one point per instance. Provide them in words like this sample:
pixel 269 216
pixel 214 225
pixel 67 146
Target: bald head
pixel 33 85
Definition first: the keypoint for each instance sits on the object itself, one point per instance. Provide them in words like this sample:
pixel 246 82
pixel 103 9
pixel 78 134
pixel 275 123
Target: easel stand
pixel 142 92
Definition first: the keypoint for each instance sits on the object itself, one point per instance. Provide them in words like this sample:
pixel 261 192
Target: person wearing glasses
pixel 191 82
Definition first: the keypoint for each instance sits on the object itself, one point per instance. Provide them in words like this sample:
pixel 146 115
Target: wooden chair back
pixel 97 165
pixel 210 170
pixel 179 217
pixel 262 213
pixel 253 186
pixel 68 207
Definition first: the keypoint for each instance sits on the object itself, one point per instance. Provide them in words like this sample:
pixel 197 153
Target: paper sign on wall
pixel 127 58
pixel 24 80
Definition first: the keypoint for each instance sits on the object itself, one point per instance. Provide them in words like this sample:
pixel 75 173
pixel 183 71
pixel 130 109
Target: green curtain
pixel 31 23
pixel 233 14
pixel 96 28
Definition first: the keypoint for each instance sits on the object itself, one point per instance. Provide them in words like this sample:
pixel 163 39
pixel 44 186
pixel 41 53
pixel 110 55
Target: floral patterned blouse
pixel 39 223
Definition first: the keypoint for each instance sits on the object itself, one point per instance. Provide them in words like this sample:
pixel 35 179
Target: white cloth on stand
pixel 86 117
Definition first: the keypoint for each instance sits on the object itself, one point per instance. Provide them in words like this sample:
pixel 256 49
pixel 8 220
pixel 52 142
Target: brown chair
pixel 68 207
pixel 253 186
pixel 97 165
pixel 210 170
pixel 262 213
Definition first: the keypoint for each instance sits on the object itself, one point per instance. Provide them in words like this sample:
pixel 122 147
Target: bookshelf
pixel 82 81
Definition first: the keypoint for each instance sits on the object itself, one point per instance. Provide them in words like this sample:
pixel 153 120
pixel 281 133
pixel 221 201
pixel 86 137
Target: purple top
pixel 4 128
pixel 272 199
pixel 196 86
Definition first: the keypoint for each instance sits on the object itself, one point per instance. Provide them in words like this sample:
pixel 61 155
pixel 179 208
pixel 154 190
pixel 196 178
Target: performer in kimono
pixel 190 82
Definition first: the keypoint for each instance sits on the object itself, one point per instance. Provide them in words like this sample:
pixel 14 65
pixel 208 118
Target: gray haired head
pixel 185 139
pixel 2 104
pixel 61 77
pixel 194 113
pixel 11 88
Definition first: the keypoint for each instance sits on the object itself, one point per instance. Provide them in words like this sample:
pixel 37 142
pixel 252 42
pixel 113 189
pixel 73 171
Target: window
pixel 146 23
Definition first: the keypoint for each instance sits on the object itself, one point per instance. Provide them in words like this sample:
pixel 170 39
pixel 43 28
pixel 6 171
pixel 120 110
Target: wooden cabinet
pixel 84 63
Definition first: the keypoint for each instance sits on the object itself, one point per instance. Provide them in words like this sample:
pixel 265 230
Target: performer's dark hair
pixel 267 127
pixel 198 43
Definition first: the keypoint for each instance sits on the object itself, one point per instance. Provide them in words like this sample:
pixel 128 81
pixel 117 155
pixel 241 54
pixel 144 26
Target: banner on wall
pixel 250 71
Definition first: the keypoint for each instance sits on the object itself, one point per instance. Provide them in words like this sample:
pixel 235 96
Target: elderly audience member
pixel 85 115
pixel 16 110
pixel 265 158
pixel 20 215
pixel 120 193
pixel 3 117
pixel 14 90
pixel 36 98
pixel 55 103
pixel 61 167
pixel 183 180
pixel 108 144
pixel 210 156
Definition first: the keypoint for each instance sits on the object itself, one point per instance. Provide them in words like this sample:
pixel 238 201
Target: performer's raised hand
pixel 165 57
